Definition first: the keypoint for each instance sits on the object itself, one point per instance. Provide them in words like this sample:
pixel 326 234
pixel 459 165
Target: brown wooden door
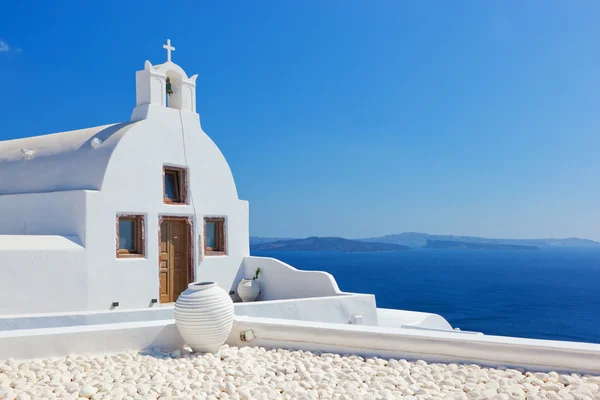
pixel 173 259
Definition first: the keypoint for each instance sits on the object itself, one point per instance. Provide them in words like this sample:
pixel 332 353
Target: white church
pixel 103 228
pixel 121 215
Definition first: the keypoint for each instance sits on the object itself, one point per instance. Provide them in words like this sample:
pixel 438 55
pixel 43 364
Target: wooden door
pixel 174 250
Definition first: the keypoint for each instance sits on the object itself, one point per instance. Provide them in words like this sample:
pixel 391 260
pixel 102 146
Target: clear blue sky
pixel 349 118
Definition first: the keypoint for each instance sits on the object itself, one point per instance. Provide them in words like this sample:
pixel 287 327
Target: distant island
pixel 408 240
pixel 447 244
pixel 416 239
pixel 327 244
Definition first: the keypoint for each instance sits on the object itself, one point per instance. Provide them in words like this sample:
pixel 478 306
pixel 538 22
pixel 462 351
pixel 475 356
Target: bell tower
pixel 164 85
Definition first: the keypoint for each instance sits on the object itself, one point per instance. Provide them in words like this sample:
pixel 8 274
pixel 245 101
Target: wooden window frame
pixel 221 237
pixel 182 185
pixel 140 236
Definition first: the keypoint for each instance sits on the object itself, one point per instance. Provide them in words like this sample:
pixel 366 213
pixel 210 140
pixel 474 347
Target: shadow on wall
pixel 72 239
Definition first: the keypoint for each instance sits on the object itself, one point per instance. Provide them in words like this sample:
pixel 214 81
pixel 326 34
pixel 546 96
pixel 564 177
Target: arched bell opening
pixel 173 90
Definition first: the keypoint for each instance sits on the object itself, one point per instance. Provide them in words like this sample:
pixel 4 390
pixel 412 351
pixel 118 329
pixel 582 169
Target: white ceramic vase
pixel 248 290
pixel 204 316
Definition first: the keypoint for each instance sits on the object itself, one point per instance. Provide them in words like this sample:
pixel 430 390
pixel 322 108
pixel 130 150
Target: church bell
pixel 169 90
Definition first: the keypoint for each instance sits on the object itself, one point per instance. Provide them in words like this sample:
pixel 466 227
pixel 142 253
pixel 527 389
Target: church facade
pixel 122 215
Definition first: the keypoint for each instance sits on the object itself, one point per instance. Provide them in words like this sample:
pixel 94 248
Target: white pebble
pixel 87 391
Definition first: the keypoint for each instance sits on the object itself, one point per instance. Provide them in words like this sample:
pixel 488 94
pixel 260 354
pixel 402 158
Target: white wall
pixel 279 280
pixel 57 213
pixel 337 309
pixel 45 274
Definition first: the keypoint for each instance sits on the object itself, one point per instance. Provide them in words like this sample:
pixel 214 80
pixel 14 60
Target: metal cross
pixel 169 48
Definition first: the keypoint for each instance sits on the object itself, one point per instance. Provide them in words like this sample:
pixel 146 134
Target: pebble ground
pixel 255 373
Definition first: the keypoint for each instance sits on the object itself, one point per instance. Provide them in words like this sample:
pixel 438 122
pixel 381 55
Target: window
pixel 130 236
pixel 214 236
pixel 175 185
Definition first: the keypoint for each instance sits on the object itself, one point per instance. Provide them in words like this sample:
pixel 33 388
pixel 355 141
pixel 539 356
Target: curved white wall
pixel 279 280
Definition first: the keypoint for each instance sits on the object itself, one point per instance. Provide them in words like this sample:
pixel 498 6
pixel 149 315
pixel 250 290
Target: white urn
pixel 204 316
pixel 248 290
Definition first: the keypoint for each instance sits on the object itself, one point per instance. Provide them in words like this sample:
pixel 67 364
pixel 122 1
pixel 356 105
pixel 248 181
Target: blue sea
pixel 552 293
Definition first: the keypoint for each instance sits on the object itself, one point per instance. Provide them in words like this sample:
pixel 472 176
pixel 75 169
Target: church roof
pixel 74 160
